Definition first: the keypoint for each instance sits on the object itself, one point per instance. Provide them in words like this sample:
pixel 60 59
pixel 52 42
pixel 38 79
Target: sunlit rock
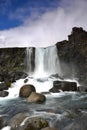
pixel 26 90
pixel 36 98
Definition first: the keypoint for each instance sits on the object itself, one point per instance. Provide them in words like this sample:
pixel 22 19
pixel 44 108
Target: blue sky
pixel 39 23
pixel 13 12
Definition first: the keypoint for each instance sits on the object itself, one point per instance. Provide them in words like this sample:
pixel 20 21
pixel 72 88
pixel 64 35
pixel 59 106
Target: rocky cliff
pixel 73 55
pixel 11 63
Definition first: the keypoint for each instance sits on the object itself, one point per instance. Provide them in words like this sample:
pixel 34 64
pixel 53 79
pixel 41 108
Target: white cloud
pixel 49 28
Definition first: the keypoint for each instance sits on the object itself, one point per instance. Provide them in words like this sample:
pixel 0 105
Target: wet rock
pixel 64 86
pixel 82 88
pixel 37 122
pixel 26 90
pixel 17 120
pixel 3 86
pixel 56 76
pixel 25 127
pixel 3 121
pixel 45 92
pixel 36 98
pixel 3 93
pixel 26 80
pixel 49 128
pixel 17 75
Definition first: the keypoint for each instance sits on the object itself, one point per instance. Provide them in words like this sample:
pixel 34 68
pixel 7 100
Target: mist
pixel 49 28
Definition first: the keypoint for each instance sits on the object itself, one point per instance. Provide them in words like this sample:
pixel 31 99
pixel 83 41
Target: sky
pixel 39 23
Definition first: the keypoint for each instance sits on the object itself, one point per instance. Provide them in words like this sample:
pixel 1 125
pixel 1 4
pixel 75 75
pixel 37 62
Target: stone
pixel 17 120
pixel 49 128
pixel 64 86
pixel 25 127
pixel 82 88
pixel 3 121
pixel 36 98
pixel 3 93
pixel 26 90
pixel 26 80
pixel 37 122
pixel 17 75
pixel 3 86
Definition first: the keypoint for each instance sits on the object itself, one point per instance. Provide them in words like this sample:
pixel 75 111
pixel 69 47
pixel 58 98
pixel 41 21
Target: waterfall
pixel 46 62
pixel 30 60
pixel 51 60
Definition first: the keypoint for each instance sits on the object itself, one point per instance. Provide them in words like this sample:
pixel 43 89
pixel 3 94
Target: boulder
pixel 26 90
pixel 37 122
pixel 25 127
pixel 26 80
pixel 3 93
pixel 3 86
pixel 49 128
pixel 34 123
pixel 17 120
pixel 3 121
pixel 17 75
pixel 64 86
pixel 36 98
pixel 82 88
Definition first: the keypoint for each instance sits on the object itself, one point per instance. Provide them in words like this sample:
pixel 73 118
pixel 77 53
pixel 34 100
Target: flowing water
pixel 46 62
pixel 63 111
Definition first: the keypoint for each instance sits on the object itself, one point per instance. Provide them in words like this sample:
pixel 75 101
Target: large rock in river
pixel 3 93
pixel 37 122
pixel 36 98
pixel 17 120
pixel 64 86
pixel 26 90
pixel 34 123
pixel 49 128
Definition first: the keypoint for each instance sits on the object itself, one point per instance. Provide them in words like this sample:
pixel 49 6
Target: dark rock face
pixel 73 55
pixel 3 86
pixel 64 86
pixel 3 93
pixel 26 90
pixel 12 63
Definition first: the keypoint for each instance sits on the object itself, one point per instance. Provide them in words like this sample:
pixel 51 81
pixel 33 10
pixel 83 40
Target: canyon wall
pixel 73 55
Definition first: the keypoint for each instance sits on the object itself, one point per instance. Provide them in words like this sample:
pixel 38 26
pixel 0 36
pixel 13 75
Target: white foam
pixel 15 87
pixel 6 128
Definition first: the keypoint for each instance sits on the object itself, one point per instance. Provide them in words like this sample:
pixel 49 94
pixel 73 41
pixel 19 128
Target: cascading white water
pixel 39 63
pixel 29 52
pixel 46 62
pixel 51 61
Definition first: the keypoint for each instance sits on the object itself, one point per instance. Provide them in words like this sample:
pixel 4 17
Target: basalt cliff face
pixel 73 55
